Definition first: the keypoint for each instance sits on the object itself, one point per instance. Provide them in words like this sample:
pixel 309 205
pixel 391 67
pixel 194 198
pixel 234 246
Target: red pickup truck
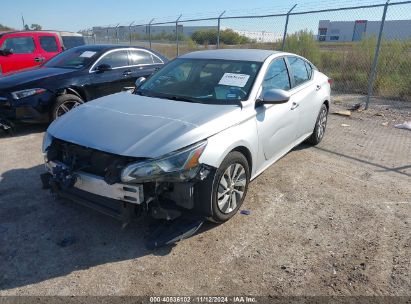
pixel 26 49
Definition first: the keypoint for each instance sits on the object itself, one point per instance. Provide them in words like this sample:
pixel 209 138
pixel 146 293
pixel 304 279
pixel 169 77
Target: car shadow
pixel 22 129
pixel 42 238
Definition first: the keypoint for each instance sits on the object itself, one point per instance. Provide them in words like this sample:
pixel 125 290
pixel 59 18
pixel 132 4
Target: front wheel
pixel 320 126
pixel 230 187
pixel 65 103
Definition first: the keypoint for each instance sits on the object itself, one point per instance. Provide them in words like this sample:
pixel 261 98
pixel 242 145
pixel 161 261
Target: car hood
pixel 139 126
pixel 18 79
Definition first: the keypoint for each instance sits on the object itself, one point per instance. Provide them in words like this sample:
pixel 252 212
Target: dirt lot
pixel 329 220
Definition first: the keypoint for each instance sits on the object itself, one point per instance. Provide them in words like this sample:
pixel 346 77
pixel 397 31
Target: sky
pixel 75 15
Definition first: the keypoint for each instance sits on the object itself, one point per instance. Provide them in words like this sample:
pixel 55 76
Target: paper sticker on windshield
pixel 235 80
pixel 88 54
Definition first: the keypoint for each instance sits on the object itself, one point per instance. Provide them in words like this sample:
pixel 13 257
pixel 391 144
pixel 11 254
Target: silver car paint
pixel 139 126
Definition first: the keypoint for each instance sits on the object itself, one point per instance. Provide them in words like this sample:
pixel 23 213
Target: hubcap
pixel 231 188
pixel 67 106
pixel 322 123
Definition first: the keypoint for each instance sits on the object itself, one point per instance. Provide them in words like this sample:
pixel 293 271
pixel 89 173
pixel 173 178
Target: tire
pixel 226 206
pixel 320 126
pixel 63 104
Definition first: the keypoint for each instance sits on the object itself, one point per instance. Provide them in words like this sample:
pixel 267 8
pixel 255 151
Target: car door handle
pixel 39 59
pixel 318 87
pixel 127 73
pixel 294 106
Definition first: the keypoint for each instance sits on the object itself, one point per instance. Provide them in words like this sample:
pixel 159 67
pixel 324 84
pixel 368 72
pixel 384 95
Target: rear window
pixel 19 45
pixel 72 41
pixel 48 43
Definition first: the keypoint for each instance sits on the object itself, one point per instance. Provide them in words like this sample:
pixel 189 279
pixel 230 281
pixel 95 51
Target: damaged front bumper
pixel 125 201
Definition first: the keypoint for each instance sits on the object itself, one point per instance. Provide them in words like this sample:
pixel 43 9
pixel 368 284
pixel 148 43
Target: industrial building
pixel 343 31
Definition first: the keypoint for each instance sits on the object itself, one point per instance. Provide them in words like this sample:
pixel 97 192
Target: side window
pixel 299 70
pixel 157 60
pixel 309 69
pixel 140 57
pixel 48 43
pixel 277 76
pixel 115 59
pixel 19 45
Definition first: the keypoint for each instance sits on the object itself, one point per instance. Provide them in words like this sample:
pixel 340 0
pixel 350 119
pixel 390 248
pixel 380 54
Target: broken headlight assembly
pixel 26 93
pixel 180 166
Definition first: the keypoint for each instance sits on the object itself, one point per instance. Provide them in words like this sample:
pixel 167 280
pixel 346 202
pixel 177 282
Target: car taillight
pixel 330 81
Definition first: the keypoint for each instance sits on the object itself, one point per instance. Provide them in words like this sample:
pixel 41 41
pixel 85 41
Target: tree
pixel 5 28
pixel 227 36
pixel 35 27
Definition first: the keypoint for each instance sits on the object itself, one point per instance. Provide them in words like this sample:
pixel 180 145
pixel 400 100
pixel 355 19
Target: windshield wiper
pixel 180 98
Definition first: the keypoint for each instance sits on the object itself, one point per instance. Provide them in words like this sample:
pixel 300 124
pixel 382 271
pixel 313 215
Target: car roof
pixel 39 32
pixel 232 54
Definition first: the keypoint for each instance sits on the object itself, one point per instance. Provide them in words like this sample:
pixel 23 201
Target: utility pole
pixel 22 19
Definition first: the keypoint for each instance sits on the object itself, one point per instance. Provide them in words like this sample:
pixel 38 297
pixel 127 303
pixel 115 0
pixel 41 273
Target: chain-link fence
pixel 365 49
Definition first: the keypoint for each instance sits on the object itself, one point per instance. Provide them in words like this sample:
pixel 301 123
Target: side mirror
pixel 103 68
pixel 6 52
pixel 274 96
pixel 139 81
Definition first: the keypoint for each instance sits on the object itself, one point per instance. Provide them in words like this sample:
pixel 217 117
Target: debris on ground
pixel 406 125
pixel 245 212
pixel 379 114
pixel 355 107
pixel 344 125
pixel 385 124
pixel 342 113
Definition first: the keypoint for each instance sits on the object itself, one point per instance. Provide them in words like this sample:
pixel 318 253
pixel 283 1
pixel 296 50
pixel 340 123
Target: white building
pixel 260 36
pixel 355 30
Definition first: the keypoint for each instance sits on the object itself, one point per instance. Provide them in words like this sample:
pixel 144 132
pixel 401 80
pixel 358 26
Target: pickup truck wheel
pixel 230 187
pixel 320 126
pixel 65 103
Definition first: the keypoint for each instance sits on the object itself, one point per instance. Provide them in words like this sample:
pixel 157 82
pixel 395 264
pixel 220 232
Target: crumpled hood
pixel 138 126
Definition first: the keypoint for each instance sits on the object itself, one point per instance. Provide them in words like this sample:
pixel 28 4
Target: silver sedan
pixel 191 137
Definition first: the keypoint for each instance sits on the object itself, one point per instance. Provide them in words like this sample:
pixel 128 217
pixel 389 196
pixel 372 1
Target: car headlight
pixel 47 140
pixel 177 166
pixel 26 93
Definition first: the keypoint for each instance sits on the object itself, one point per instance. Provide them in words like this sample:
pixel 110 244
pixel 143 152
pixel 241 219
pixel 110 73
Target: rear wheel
pixel 320 126
pixel 65 103
pixel 230 186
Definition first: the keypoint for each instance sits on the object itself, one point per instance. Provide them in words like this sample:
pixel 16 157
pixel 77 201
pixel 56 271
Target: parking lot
pixel 330 220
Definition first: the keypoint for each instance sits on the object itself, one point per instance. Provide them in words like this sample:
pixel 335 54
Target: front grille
pixel 79 158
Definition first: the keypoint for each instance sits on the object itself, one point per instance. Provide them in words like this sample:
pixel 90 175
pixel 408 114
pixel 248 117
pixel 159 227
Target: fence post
pixel 375 61
pixel 94 38
pixel 108 37
pixel 286 27
pixel 149 32
pixel 129 30
pixel 218 29
pixel 116 28
pixel 177 34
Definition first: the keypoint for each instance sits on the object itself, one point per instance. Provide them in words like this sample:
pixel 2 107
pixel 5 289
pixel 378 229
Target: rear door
pixel 24 52
pixel 112 81
pixel 143 63
pixel 304 94
pixel 49 46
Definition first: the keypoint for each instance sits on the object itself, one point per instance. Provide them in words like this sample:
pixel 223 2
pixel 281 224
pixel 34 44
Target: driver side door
pixel 276 123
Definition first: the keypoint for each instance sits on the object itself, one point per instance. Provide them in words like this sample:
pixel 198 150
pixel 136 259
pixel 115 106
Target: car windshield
pixel 203 80
pixel 76 58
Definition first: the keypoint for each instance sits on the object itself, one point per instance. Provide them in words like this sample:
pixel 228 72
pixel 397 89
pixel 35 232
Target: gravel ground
pixel 329 220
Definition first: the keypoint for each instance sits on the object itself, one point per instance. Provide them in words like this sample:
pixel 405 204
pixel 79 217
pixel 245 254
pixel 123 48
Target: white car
pixel 191 137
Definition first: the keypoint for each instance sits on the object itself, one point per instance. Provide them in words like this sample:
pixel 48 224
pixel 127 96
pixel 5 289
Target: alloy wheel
pixel 231 188
pixel 322 123
pixel 66 107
